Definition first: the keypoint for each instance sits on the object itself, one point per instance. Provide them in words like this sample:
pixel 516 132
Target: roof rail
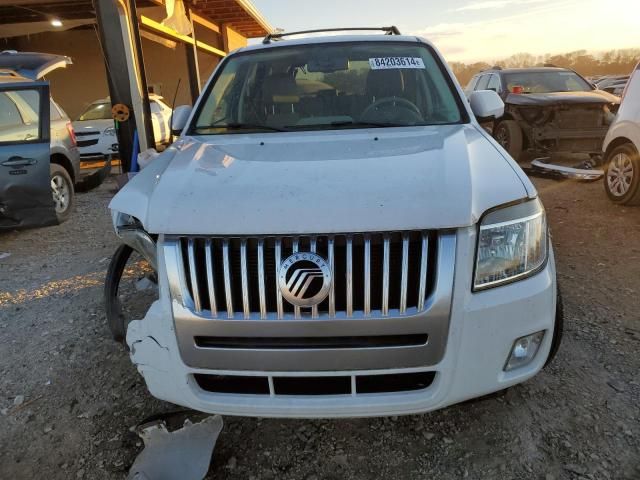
pixel 496 67
pixel 392 30
pixel 550 65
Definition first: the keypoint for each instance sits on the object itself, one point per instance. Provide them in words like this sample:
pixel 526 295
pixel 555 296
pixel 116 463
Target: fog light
pixel 523 350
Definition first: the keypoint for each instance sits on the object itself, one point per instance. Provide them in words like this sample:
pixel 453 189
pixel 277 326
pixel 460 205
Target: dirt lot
pixel 69 395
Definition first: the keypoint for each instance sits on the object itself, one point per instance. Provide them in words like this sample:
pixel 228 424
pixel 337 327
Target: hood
pixel 561 98
pixel 322 182
pixel 32 65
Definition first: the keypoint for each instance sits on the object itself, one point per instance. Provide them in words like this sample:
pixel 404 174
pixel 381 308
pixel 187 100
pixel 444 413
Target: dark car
pixel 39 160
pixel 547 110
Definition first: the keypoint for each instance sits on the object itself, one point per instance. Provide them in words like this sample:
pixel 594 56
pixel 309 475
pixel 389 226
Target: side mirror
pixel 179 119
pixel 486 104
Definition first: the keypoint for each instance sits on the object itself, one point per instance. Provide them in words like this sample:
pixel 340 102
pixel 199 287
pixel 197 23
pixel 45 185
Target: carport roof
pixel 241 15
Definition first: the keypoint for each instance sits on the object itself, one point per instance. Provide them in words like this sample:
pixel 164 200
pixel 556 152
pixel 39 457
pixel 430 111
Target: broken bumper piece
pixel 539 168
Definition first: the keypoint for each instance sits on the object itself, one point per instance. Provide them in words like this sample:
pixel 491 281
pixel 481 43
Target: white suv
pixel 335 235
pixel 622 147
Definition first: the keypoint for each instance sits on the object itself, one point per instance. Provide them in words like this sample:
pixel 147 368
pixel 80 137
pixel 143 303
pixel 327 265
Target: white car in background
pixel 622 147
pixel 96 131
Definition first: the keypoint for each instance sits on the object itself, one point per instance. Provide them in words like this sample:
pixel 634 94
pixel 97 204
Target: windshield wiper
pixel 244 126
pixel 352 123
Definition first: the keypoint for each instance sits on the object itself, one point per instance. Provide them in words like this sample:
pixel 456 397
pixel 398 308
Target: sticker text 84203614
pixel 382 63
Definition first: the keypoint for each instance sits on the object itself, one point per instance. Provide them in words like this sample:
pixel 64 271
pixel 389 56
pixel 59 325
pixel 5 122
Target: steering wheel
pixel 386 102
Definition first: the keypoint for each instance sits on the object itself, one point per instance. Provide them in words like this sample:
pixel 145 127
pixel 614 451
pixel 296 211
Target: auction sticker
pixel 382 63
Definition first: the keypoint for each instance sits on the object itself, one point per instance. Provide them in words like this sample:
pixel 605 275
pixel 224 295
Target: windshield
pixel 97 111
pixel 329 86
pixel 547 82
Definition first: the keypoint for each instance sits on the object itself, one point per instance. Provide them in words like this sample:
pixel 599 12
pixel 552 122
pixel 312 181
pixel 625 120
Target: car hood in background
pixel 31 64
pixel 322 182
pixel 561 98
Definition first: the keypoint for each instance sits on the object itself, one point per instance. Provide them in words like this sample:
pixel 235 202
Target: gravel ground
pixel 69 395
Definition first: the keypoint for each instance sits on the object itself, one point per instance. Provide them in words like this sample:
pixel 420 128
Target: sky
pixel 476 30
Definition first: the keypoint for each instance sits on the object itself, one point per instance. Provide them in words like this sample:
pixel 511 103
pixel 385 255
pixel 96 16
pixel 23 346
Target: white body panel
pixel 307 182
pixel 357 180
pixel 627 122
pixel 482 329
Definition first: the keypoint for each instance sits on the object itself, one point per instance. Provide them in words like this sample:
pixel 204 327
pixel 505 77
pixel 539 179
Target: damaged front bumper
pixel 541 168
pixel 483 327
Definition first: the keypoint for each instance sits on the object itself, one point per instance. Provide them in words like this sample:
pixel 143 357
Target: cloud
pixel 492 4
pixel 560 26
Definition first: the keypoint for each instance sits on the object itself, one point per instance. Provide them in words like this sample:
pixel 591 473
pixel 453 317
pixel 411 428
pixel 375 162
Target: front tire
pixel 509 135
pixel 622 175
pixel 62 191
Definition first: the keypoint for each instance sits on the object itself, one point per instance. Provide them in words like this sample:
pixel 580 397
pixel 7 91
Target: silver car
pixel 38 165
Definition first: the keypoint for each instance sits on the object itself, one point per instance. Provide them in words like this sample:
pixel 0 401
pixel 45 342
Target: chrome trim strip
pixel 278 255
pixel 367 275
pixel 405 273
pixel 385 276
pixel 246 307
pixel 208 246
pixel 349 276
pixel 314 248
pixel 296 245
pixel 332 291
pixel 195 291
pixel 227 277
pixel 261 286
pixel 424 255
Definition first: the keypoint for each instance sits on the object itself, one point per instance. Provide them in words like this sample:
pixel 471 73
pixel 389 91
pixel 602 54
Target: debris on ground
pixel 542 168
pixel 184 453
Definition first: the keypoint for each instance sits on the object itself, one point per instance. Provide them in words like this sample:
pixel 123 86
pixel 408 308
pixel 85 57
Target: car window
pixel 53 111
pixel 19 121
pixel 97 111
pixel 329 86
pixel 494 83
pixel 547 82
pixel 482 82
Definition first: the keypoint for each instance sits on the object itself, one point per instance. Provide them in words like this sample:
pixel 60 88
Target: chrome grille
pixel 374 274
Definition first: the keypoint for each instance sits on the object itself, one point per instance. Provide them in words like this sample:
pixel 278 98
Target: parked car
pixel 96 131
pixel 616 88
pixel 609 80
pixel 39 161
pixel 547 110
pixel 622 146
pixel 334 235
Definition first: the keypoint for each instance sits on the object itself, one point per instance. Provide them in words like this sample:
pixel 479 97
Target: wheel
pixel 622 176
pixel 509 135
pixel 130 287
pixel 62 191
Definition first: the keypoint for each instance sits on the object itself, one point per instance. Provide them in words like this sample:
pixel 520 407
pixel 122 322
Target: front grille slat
pixel 278 255
pixel 213 306
pixel 385 275
pixel 261 281
pixel 313 247
pixel 373 274
pixel 367 275
pixel 405 273
pixel 246 309
pixel 424 253
pixel 227 277
pixel 197 305
pixel 349 276
pixel 332 291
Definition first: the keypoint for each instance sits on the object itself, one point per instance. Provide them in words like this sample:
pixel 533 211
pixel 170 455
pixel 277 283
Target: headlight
pixel 131 232
pixel 512 244
pixel 111 131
